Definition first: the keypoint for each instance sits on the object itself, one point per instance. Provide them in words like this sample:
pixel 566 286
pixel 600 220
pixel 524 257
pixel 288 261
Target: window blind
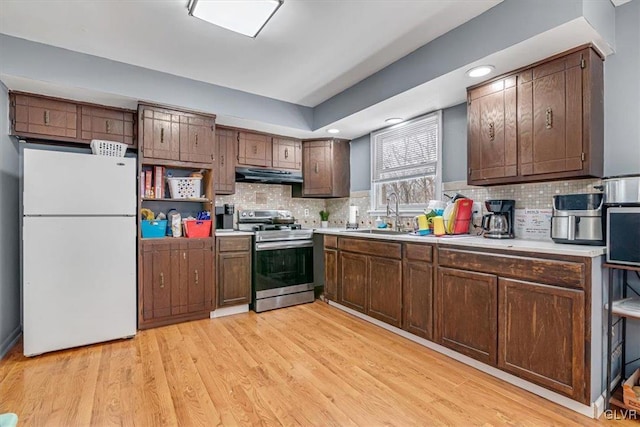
pixel 406 152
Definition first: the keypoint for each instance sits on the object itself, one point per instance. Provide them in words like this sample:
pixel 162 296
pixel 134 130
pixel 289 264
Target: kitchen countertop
pixel 229 233
pixel 541 246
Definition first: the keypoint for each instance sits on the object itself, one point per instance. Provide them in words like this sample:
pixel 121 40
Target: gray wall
pixel 454 150
pixel 622 95
pixel 10 325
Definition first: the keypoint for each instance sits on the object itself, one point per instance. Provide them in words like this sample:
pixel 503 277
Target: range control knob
pixel 250 213
pixel 244 214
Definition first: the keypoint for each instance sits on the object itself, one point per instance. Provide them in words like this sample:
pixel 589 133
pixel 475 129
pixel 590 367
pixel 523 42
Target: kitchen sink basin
pixel 379 231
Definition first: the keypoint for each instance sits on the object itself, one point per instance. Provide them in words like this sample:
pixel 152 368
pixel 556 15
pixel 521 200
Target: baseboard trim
pixel 11 340
pixel 228 311
pixel 592 411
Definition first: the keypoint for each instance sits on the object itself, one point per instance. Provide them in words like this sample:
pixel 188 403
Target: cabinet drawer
pixel 330 241
pixel 418 252
pixel 234 244
pixel 547 271
pixel 371 247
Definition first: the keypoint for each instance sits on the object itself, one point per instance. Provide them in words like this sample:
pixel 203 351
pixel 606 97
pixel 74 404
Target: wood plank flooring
pixel 306 365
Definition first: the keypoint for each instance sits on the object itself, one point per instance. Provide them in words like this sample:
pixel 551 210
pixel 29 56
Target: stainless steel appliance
pixel 577 219
pixel 268 176
pixel 224 217
pixel 499 223
pixel 622 206
pixel 282 259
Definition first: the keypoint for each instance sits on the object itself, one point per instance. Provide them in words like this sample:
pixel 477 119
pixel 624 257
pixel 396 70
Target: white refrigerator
pixel 79 249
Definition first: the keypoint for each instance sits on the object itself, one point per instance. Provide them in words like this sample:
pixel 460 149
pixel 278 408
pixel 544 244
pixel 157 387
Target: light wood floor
pixel 305 365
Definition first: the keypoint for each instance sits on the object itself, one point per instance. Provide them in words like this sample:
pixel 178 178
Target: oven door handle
pixel 287 244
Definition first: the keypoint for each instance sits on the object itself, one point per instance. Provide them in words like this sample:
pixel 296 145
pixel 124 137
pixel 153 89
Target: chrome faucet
pixel 396 211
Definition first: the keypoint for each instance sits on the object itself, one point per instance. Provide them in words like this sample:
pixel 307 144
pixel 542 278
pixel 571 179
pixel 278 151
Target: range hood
pixel 268 176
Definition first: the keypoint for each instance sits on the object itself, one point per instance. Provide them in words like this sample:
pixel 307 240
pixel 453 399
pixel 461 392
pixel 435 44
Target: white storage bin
pixel 108 148
pixel 185 188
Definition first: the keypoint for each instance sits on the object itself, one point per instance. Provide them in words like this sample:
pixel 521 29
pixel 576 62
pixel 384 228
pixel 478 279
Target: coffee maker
pixel 499 223
pixel 224 217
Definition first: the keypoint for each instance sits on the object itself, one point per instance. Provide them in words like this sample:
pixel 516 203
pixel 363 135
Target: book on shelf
pixel 158 188
pixel 148 189
pixel 142 184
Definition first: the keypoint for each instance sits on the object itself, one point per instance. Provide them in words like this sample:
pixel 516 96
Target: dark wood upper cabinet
pixel 534 318
pixel 467 310
pixel 287 153
pixel 177 136
pixel 160 131
pixel 559 122
pixel 197 138
pixel 254 149
pixel 226 145
pixel 107 124
pixel 492 131
pixel 60 120
pixel 325 168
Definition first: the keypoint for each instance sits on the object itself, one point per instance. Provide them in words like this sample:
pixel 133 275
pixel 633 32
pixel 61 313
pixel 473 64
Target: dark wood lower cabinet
pixel 467 309
pixel 353 280
pixel 234 270
pixel 385 290
pixel 541 335
pixel 330 274
pixel 176 281
pixel 418 298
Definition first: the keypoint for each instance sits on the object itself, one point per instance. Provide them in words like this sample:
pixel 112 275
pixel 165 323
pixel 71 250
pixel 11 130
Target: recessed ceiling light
pixel 333 130
pixel 394 120
pixel 480 71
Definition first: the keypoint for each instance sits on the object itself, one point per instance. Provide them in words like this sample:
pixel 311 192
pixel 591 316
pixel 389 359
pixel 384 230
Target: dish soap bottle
pixel 380 223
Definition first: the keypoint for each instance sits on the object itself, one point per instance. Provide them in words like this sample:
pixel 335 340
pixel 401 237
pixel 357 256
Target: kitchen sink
pixel 379 231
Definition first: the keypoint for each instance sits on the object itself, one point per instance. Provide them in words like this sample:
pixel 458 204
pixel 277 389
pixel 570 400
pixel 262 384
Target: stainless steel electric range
pixel 282 271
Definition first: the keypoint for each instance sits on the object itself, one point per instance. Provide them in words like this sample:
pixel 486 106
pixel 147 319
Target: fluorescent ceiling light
pixel 394 120
pixel 246 17
pixel 480 71
pixel 333 130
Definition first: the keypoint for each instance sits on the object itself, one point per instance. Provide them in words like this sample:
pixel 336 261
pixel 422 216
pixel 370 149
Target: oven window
pixel 283 267
pixel 624 237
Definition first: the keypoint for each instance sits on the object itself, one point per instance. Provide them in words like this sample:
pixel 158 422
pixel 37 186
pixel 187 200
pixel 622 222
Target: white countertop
pixel 234 233
pixel 547 247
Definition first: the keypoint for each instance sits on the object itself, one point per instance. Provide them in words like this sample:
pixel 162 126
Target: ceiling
pixel 308 52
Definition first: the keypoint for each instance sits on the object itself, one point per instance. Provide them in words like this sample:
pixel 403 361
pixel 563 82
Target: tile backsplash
pixel 274 196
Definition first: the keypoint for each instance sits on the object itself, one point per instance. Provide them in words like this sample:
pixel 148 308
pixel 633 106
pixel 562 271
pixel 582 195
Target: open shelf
pixel 627 307
pixel 196 200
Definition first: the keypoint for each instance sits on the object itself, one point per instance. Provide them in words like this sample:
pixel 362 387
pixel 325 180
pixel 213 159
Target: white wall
pixel 622 95
pixel 10 325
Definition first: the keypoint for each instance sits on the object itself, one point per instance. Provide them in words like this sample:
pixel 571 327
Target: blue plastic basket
pixel 154 229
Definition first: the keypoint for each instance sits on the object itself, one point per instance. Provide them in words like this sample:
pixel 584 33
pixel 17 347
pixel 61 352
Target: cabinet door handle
pixel 286 153
pixel 184 255
pixel 161 135
pixel 316 167
pixel 196 277
pixel 492 131
pixel 46 117
pixel 196 139
pixel 255 149
pixel 222 160
pixel 162 280
pixel 549 121
pixel 108 125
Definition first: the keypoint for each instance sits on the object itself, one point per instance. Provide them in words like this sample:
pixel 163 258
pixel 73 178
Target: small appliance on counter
pixel 499 223
pixel 622 207
pixel 577 219
pixel 224 217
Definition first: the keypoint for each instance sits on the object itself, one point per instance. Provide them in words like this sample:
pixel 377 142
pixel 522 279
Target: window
pixel 405 160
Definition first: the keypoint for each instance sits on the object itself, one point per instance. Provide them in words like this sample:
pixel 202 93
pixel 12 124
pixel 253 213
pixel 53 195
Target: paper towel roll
pixel 353 214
